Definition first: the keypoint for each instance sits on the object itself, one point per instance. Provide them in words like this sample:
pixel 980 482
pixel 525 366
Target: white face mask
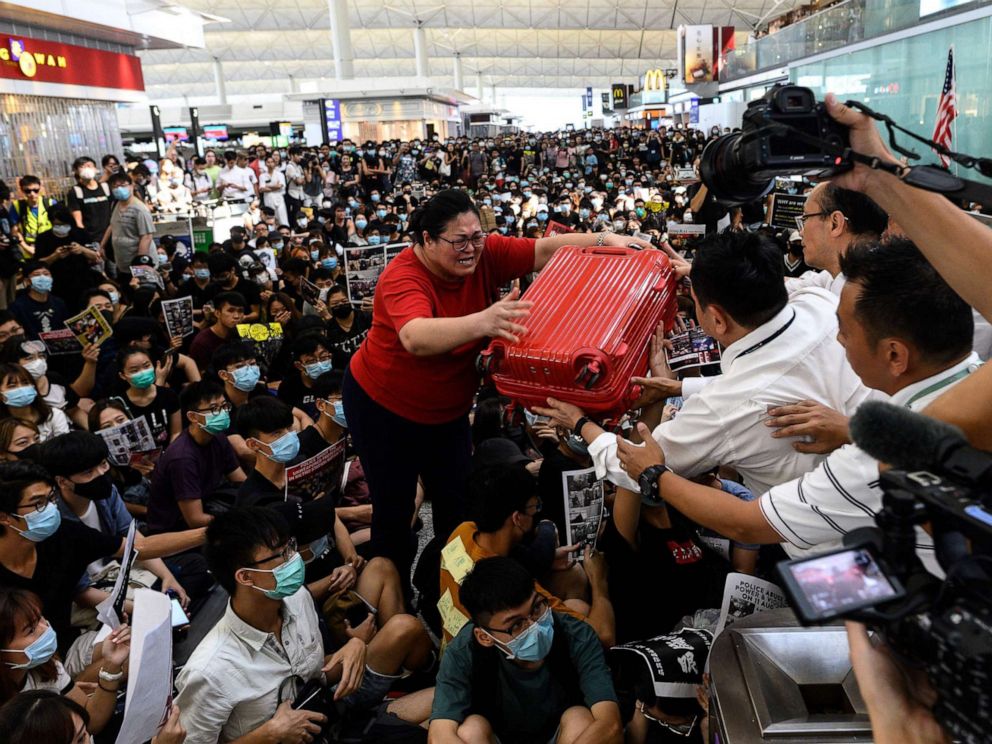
pixel 61 230
pixel 87 174
pixel 36 368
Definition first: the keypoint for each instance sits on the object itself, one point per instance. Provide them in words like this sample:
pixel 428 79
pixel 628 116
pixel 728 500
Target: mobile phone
pixel 179 616
pixel 357 614
pixel 833 584
pixel 170 350
pixel 92 246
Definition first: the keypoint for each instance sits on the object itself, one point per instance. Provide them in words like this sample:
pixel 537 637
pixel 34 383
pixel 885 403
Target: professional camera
pixel 785 133
pixel 943 626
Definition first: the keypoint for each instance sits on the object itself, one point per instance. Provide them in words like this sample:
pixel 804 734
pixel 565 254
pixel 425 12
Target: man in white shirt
pixel 295 179
pixel 236 181
pixel 907 334
pixel 776 350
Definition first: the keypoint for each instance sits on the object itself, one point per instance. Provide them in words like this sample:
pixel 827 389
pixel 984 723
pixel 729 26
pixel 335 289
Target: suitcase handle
pixel 607 250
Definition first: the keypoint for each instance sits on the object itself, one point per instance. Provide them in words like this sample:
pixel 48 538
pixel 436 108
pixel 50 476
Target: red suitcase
pixel 588 332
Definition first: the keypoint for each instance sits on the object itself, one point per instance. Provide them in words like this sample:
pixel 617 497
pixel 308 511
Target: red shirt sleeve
pixel 511 258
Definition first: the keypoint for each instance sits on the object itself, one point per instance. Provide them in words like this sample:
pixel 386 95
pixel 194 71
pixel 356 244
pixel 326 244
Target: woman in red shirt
pixel 410 386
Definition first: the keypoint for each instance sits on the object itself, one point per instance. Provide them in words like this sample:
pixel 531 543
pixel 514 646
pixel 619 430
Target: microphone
pixel 912 441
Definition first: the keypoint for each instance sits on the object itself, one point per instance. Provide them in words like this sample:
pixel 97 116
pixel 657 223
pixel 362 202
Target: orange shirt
pixel 457 560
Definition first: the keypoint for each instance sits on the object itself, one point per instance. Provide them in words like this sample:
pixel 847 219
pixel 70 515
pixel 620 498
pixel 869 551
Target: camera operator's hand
pixel 898 704
pixel 827 428
pixel 865 140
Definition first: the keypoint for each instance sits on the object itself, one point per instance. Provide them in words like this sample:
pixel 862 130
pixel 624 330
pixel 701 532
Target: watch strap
pixel 577 431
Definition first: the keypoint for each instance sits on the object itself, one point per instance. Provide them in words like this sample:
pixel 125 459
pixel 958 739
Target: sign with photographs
pixel 584 497
pixel 691 349
pixel 318 476
pixel 745 595
pixel 89 327
pixel 178 316
pixel 62 341
pixel 126 440
pixel 363 267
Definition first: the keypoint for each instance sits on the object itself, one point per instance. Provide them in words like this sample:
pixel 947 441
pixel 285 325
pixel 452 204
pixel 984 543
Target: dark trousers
pixel 394 451
pixel 292 207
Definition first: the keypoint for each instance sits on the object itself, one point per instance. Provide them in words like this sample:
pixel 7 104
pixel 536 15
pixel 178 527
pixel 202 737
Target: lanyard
pixel 938 385
pixel 768 340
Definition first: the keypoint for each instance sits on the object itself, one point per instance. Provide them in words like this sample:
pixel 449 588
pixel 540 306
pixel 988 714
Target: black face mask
pixel 97 489
pixel 342 311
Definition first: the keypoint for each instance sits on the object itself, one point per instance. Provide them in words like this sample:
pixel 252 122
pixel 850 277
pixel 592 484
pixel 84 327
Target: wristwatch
pixel 648 482
pixel 577 431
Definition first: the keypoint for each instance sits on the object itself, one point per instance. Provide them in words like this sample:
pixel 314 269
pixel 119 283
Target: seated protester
pixel 65 252
pixel 311 358
pixel 19 438
pixel 228 313
pixel 519 672
pixel 242 678
pixel 19 398
pixel 347 327
pixel 280 308
pixel 42 553
pixel 87 494
pixel 909 338
pixel 561 451
pixel 173 369
pixel 52 387
pixel 32 668
pixel 197 465
pixel 134 479
pixel 112 290
pixel 776 348
pixel 323 279
pixel 199 286
pixel 9 326
pixel 36 308
pixel 226 279
pixel 293 271
pixel 159 405
pixel 503 499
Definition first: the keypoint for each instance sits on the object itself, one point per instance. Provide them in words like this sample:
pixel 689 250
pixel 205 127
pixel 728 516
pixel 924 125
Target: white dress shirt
pixel 237 676
pixel 794 356
pixel 813 512
pixel 821 279
pixel 228 178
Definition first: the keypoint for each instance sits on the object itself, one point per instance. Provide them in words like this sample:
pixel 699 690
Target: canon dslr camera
pixel 785 133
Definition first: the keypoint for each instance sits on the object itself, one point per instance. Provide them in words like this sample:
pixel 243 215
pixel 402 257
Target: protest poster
pixel 128 439
pixel 265 338
pixel 584 497
pixel 62 341
pixel 785 209
pixel 318 476
pixel 178 317
pixel 111 610
pixel 745 595
pixel 556 228
pixel 89 327
pixel 686 175
pixel 147 276
pixel 309 291
pixel 672 664
pixel 363 267
pixel 149 687
pixel 692 348
pixel 677 229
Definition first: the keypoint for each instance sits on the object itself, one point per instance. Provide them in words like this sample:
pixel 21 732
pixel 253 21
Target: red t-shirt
pixel 432 389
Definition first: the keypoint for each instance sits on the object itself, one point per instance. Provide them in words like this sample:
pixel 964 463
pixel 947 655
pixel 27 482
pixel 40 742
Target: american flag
pixel 947 109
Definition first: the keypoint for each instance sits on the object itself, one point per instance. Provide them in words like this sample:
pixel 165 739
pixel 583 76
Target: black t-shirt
pixel 62 561
pixel 343 344
pixel 199 294
pixel 248 290
pixel 157 413
pixel 307 522
pixel 311 442
pixel 670 576
pixel 72 273
pixel 95 205
pixel 550 488
pixel 712 211
pixel 294 393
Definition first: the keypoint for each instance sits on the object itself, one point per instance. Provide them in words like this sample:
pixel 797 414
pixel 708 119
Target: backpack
pixel 78 191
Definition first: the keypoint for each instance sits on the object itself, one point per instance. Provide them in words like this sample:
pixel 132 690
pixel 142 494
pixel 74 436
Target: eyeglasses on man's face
pixel 537 609
pixel 215 408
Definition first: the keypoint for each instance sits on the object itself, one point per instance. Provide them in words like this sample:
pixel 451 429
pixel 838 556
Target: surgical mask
pixel 534 643
pixel 361 224
pixel 246 378
pixel 577 445
pixel 619 225
pixel 20 397
pixel 261 279
pixel 41 524
pixel 487 202
pixel 542 216
pixel 41 283
pixel 314 255
pixel 374 197
pixel 285 448
pixel 374 239
pixel 216 423
pixel 87 174
pixel 302 222
pixel 36 368
pixel 318 547
pixel 330 262
pixel 121 193
pixel 503 229
pixel 316 369
pixel 609 184
pixel 528 194
pixel 40 651
pixel 584 214
pixel 143 379
pixel 510 219
pixel 275 247
pixel 338 417
pixel 381 213
pixel 98 489
pixel 289 578
pixel 114 297
pixel 201 273
pixel 640 212
pixel 61 230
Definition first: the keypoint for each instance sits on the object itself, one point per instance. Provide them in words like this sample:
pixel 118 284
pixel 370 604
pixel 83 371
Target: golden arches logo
pixel 655 80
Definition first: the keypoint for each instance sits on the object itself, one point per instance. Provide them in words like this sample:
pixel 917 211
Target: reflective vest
pixel 31 224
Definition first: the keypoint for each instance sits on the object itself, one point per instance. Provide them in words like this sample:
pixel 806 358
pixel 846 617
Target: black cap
pixel 142 260
pixel 498 451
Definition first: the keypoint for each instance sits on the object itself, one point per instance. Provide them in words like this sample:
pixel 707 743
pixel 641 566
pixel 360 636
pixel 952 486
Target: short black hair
pixel 308 344
pixel 31 265
pixel 494 585
pixel 40 715
pixel 196 394
pixel 15 477
pixel 903 296
pixel 60 213
pixel 434 214
pixel 81 161
pixel 497 491
pixel 232 353
pixel 234 536
pixel 29 181
pixel 864 217
pixel 120 176
pixel 327 384
pixel 73 452
pixel 743 273
pixel 221 262
pixel 229 298
pixel 263 415
pixel 295 266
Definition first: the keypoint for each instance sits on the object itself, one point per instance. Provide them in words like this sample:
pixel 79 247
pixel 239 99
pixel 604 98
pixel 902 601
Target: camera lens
pixel 727 176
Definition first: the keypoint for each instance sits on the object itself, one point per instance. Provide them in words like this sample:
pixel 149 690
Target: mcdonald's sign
pixel 619 96
pixel 655 80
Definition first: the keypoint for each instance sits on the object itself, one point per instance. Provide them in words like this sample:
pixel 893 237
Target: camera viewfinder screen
pixel 835 582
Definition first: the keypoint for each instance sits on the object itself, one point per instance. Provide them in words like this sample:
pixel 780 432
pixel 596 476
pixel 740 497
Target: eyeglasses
pixel 801 221
pixel 286 554
pixel 222 408
pixel 461 245
pixel 537 610
pixel 40 502
pixel 32 191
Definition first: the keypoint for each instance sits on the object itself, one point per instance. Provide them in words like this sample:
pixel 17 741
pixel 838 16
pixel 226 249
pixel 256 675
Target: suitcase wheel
pixel 589 375
pixel 484 363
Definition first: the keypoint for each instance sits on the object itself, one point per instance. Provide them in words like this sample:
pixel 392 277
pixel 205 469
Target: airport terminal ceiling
pixel 266 46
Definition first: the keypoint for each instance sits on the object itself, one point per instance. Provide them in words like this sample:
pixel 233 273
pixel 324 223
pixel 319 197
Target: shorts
pixel 373 690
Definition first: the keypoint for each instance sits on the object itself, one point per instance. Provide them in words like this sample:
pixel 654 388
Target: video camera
pixel 945 626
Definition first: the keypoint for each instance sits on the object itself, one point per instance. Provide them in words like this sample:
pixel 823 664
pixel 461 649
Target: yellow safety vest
pixel 32 225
